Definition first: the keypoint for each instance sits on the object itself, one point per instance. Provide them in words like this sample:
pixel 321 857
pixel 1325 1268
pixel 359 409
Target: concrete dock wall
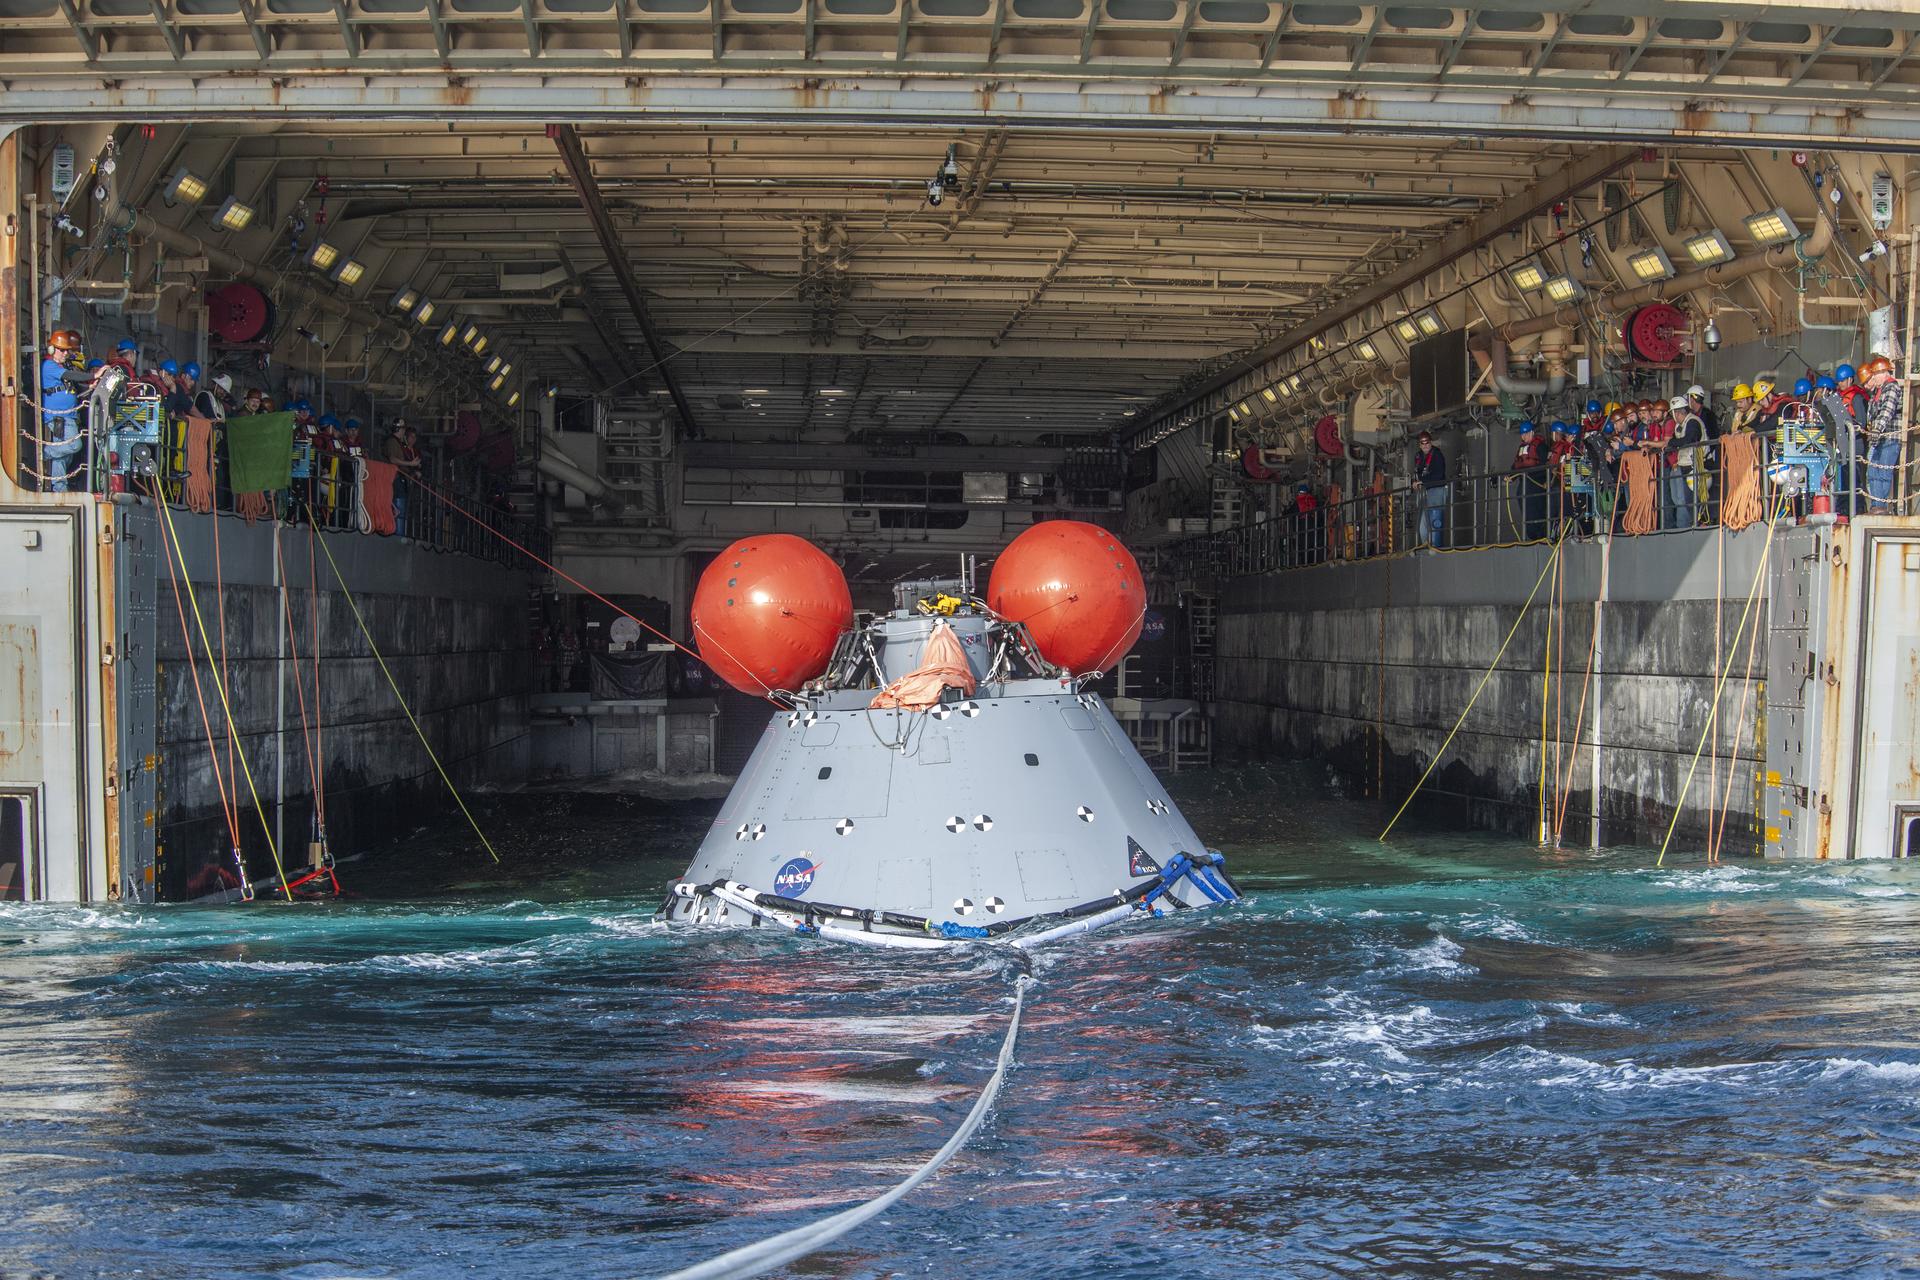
pixel 453 631
pixel 1368 665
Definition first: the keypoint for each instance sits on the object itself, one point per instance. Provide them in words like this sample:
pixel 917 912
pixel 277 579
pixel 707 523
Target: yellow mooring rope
pixel 220 687
pixel 400 697
pixel 1486 676
pixel 1753 591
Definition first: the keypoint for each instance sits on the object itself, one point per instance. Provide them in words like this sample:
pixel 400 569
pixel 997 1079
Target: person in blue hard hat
pixel 126 355
pixel 1592 416
pixel 1530 476
pixel 1847 408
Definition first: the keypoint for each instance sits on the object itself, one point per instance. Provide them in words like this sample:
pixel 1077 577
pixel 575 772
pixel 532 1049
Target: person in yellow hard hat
pixel 1741 419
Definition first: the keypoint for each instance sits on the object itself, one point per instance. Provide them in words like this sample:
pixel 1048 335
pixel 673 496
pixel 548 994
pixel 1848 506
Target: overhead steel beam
pixel 567 139
pixel 1562 183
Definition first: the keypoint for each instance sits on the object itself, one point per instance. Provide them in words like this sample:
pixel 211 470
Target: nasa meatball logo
pixel 794 878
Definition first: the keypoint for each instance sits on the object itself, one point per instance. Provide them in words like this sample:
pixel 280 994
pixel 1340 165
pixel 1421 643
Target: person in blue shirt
pixel 1430 485
pixel 60 435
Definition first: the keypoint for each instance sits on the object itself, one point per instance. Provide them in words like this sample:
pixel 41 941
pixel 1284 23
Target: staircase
pixel 634 452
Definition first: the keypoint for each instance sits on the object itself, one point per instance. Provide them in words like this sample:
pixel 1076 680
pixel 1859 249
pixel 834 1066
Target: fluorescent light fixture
pixel 493 365
pixel 833 391
pixel 1772 227
pixel 185 187
pixel 1565 289
pixel 1407 329
pixel 1430 323
pixel 755 391
pixel 506 369
pixel 513 399
pixel 1245 408
pixel 448 334
pixel 232 215
pixel 1269 394
pixel 322 256
pixel 405 300
pixel 496 384
pixel 1293 385
pixel 1708 248
pixel 423 313
pixel 349 272
pixel 1233 415
pixel 1651 263
pixel 1528 275
pixel 480 344
pixel 470 334
pixel 1366 349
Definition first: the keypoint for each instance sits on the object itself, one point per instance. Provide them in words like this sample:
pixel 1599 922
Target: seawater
pixel 1448 1055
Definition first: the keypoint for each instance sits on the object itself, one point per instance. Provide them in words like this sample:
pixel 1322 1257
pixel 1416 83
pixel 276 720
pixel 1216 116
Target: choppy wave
pixel 1451 1054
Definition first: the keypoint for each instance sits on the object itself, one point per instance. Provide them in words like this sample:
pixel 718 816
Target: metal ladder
pixel 635 448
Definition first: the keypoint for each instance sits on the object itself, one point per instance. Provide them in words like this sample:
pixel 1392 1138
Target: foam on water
pixel 1452 1054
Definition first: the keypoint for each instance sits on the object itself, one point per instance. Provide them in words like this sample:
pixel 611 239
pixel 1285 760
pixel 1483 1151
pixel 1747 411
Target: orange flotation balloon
pixel 1077 589
pixel 768 611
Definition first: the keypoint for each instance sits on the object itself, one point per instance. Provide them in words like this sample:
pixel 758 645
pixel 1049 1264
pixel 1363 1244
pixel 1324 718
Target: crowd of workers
pixel 1832 438
pixel 147 424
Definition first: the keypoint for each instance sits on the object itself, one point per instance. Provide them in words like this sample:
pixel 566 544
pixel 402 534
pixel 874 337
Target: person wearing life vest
pixel 1561 445
pixel 1592 417
pixel 1844 402
pixel 1530 475
pixel 1430 492
pixel 1740 417
pixel 62 435
pixel 126 356
pixel 1686 484
pixel 1656 431
pixel 300 495
pixel 1886 431
pixel 1305 515
pixel 327 462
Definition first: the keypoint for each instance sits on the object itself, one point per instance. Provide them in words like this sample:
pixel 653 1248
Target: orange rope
pixel 1741 503
pixel 1637 473
pixel 197 489
pixel 200 696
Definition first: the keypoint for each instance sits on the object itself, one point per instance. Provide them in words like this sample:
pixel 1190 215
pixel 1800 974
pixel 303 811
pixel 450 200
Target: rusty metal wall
pixel 43 701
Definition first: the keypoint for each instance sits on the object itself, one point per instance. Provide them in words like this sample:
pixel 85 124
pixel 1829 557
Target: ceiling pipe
pixel 1808 248
pixel 1553 345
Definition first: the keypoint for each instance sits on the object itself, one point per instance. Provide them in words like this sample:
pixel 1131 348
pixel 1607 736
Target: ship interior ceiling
pixel 790 298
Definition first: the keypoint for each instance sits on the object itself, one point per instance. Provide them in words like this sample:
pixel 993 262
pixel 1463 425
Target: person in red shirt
pixel 1530 474
pixel 1306 523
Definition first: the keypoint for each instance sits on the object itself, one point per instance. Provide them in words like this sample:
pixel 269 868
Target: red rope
pixel 556 569
pixel 199 694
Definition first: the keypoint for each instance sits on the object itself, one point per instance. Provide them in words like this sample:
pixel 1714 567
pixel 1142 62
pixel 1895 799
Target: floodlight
pixel 1367 350
pixel 322 256
pixel 1772 227
pixel 1408 330
pixel 1565 289
pixel 448 334
pixel 1708 248
pixel 1270 395
pixel 232 215
pixel 1528 275
pixel 1430 323
pixel 513 399
pixel 405 300
pixel 493 365
pixel 423 311
pixel 185 187
pixel 1651 263
pixel 349 272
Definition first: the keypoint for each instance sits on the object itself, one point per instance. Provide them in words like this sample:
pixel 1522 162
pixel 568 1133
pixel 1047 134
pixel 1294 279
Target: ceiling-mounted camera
pixel 946 178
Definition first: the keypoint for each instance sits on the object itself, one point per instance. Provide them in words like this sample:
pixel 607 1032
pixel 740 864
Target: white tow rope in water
pixel 752 1259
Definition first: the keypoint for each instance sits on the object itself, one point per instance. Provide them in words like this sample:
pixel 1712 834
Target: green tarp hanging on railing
pixel 259 452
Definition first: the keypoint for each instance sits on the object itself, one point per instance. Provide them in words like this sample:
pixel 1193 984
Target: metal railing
pixel 151 455
pixel 1510 508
